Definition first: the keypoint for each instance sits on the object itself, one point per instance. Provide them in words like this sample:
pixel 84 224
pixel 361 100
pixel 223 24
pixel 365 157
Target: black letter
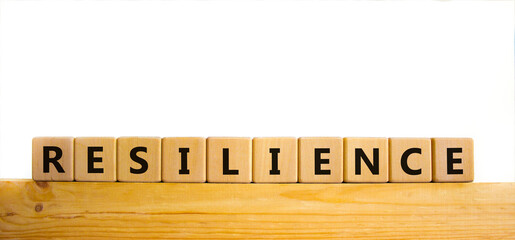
pixel 141 161
pixel 451 161
pixel 404 161
pixel 92 160
pixel 319 161
pixel 47 160
pixel 228 171
pixel 184 161
pixel 274 170
pixel 374 168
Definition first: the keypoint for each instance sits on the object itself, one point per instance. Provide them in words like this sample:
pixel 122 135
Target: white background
pixel 258 68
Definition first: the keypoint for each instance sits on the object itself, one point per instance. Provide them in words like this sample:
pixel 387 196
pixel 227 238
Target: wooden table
pixel 81 210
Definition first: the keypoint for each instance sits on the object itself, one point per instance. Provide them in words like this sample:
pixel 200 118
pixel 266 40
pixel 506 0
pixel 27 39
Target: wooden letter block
pixel 453 159
pixel 139 159
pixel 95 159
pixel 229 159
pixel 366 160
pixel 184 159
pixel 52 158
pixel 410 159
pixel 274 160
pixel 320 160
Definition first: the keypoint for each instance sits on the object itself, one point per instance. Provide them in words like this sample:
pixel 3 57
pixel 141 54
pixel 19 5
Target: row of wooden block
pixel 260 160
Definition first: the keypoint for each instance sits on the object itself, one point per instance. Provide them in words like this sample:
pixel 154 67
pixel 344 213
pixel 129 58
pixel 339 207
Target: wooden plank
pixel 93 210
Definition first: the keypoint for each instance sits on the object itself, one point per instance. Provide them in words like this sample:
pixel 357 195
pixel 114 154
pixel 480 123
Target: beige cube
pixel 320 160
pixel 52 158
pixel 453 159
pixel 184 159
pixel 95 159
pixel 139 159
pixel 410 159
pixel 229 160
pixel 365 160
pixel 274 160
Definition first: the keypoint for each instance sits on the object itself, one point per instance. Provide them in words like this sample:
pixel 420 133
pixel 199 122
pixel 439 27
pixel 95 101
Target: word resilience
pixel 259 160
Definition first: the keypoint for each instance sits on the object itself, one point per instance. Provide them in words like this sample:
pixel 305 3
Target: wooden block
pixel 410 159
pixel 95 159
pixel 100 210
pixel 184 159
pixel 453 159
pixel 125 211
pixel 52 158
pixel 274 160
pixel 229 159
pixel 320 160
pixel 139 159
pixel 365 160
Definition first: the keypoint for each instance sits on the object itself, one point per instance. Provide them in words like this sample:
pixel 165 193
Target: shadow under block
pixel 453 159
pixel 183 159
pixel 93 210
pixel 320 160
pixel 274 160
pixel 139 159
pixel 229 159
pixel 365 160
pixel 410 159
pixel 95 159
pixel 52 158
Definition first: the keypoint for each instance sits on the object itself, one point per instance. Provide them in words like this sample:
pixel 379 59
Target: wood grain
pixel 86 210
